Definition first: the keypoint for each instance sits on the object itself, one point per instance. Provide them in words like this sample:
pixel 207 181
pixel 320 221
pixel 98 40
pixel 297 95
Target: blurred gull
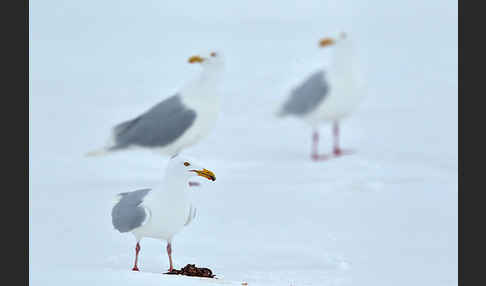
pixel 178 121
pixel 162 212
pixel 324 97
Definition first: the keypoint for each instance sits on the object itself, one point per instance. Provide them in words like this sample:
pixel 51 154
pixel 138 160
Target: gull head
pixel 187 167
pixel 211 59
pixel 329 41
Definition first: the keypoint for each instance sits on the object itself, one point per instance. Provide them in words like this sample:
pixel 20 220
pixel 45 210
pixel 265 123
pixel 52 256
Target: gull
pixel 162 212
pixel 324 97
pixel 178 121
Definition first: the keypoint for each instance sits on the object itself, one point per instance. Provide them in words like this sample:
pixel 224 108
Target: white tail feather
pixel 99 152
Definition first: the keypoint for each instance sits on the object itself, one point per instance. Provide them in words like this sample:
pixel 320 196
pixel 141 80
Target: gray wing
pixel 306 96
pixel 127 214
pixel 159 126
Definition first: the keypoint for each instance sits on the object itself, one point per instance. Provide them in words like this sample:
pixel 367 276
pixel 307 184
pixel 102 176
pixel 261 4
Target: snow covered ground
pixel 386 215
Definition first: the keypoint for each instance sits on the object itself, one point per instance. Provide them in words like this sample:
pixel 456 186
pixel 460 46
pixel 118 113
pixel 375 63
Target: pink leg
pixel 194 184
pixel 337 150
pixel 169 253
pixel 335 130
pixel 315 147
pixel 137 250
pixel 315 144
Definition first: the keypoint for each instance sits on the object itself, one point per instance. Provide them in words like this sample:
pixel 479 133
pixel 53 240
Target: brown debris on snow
pixel 192 270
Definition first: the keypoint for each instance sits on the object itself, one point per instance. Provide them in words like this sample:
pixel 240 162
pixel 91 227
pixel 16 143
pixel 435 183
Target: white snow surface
pixel 386 215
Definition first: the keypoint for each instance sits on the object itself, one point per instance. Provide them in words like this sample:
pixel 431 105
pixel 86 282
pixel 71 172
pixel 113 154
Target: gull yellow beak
pixel 326 42
pixel 195 59
pixel 206 174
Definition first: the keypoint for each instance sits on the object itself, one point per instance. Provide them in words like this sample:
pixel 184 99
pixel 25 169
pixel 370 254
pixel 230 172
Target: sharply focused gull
pixel 180 120
pixel 327 96
pixel 161 212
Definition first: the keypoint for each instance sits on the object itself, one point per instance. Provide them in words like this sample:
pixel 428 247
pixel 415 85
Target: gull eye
pixel 213 54
pixel 187 164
